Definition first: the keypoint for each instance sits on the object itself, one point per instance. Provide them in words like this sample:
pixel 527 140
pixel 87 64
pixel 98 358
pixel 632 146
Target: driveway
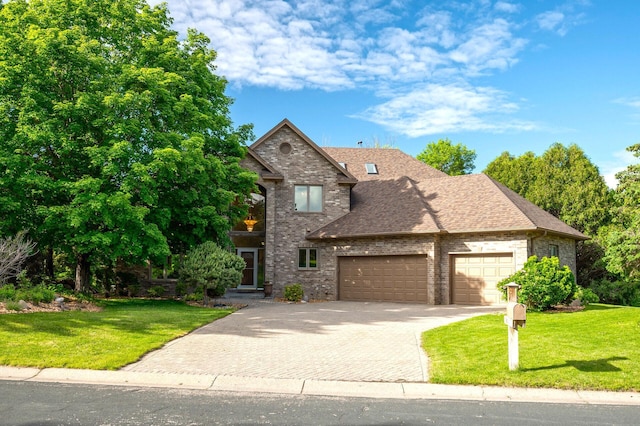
pixel 345 341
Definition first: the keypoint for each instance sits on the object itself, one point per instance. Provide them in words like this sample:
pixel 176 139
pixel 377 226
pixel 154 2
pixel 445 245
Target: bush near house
pixel 210 267
pixel 293 292
pixel 544 283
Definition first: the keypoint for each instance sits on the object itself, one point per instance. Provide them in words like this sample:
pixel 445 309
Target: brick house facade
pixel 394 229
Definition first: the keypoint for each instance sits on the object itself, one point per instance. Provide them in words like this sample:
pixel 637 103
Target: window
pixel 371 168
pixel 553 250
pixel 308 258
pixel 308 198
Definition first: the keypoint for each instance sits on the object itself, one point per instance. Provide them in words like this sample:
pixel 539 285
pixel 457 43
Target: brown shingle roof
pixel 393 204
pixel 391 163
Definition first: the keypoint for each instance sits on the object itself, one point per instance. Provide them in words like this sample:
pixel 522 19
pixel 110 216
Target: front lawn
pixel 118 335
pixel 597 348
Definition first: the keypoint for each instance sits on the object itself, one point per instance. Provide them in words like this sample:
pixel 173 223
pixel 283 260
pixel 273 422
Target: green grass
pixel 598 349
pixel 118 335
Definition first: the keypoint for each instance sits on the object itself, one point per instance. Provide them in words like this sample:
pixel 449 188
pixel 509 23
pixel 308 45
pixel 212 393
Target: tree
pixel 445 156
pixel 623 239
pixel 116 136
pixel 562 181
pixel 211 268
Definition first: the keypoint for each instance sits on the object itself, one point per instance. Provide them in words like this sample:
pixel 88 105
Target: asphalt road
pixel 32 403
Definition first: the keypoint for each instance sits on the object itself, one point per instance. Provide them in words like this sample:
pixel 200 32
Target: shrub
pixel 181 289
pixel 36 295
pixel 293 292
pixel 544 283
pixel 156 291
pixel 621 292
pixel 212 268
pixel 12 305
pixel 7 292
pixel 586 296
pixel 14 251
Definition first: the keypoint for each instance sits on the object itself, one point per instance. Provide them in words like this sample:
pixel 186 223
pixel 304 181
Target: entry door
pixel 250 273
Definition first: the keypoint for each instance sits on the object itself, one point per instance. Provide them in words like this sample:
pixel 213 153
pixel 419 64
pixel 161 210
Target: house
pixel 364 224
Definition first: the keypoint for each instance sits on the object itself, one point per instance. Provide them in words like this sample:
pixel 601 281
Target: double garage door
pixel 383 278
pixel 404 278
pixel 474 278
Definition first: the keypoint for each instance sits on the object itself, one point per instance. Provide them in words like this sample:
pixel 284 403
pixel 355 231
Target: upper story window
pixel 554 250
pixel 371 169
pixel 308 198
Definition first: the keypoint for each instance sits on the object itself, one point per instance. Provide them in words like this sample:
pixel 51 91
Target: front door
pixel 250 273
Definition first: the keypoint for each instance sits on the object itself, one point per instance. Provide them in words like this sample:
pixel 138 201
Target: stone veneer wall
pixel 566 249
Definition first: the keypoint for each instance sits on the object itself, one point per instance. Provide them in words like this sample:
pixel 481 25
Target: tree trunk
pixel 82 272
pixel 49 262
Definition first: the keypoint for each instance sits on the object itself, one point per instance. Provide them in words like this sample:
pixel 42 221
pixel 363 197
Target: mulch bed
pixel 52 307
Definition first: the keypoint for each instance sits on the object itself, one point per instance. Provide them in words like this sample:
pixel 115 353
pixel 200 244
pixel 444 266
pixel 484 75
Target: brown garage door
pixel 383 278
pixel 475 278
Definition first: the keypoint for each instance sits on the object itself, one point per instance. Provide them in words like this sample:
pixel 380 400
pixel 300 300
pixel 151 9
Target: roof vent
pixel 343 165
pixel 371 168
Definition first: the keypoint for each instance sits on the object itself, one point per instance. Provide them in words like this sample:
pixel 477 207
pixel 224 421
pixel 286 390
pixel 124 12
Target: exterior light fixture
pixel 250 222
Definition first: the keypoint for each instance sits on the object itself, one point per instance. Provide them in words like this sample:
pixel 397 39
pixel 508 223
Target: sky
pixel 494 76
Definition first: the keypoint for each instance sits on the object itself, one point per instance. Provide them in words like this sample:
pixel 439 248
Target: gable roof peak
pixel 345 177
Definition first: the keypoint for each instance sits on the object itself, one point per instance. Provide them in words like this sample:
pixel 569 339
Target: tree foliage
pixel 544 283
pixel 562 181
pixel 445 156
pixel 116 136
pixel 622 252
pixel 211 268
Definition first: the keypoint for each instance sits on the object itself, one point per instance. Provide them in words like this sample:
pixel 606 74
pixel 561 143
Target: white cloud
pixel 422 62
pixel 552 21
pixel 436 108
pixel 503 6
pixel 563 18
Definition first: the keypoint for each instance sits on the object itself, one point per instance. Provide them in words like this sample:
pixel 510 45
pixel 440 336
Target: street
pixel 32 403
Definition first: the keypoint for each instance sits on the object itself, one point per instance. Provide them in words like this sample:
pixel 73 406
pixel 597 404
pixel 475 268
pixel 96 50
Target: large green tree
pixel 623 238
pixel 445 156
pixel 562 181
pixel 116 141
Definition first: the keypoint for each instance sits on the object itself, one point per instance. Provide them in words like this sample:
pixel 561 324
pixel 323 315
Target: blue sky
pixel 493 75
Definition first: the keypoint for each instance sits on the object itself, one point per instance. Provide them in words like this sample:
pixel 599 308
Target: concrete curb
pixel 316 387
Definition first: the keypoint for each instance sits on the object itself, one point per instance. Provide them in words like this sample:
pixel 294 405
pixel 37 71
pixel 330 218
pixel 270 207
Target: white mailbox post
pixel 516 317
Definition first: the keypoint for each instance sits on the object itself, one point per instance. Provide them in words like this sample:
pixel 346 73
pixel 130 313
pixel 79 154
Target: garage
pixel 475 277
pixel 383 278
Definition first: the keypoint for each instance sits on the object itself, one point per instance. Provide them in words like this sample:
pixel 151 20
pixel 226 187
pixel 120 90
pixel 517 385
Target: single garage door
pixel 383 278
pixel 475 278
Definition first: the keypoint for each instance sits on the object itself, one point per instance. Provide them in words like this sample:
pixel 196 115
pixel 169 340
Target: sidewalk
pixel 222 383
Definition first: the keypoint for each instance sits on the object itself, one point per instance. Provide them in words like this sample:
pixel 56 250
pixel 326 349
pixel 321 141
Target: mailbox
pixel 517 311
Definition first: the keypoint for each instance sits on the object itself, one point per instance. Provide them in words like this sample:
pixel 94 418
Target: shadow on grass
pixel 602 365
pixel 133 316
pixel 599 307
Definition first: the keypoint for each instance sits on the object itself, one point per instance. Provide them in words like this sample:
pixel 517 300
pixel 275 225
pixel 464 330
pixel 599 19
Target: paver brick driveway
pixel 350 341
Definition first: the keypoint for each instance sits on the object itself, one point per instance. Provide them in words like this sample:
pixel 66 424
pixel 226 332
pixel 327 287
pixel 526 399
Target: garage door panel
pixel 391 278
pixel 476 276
